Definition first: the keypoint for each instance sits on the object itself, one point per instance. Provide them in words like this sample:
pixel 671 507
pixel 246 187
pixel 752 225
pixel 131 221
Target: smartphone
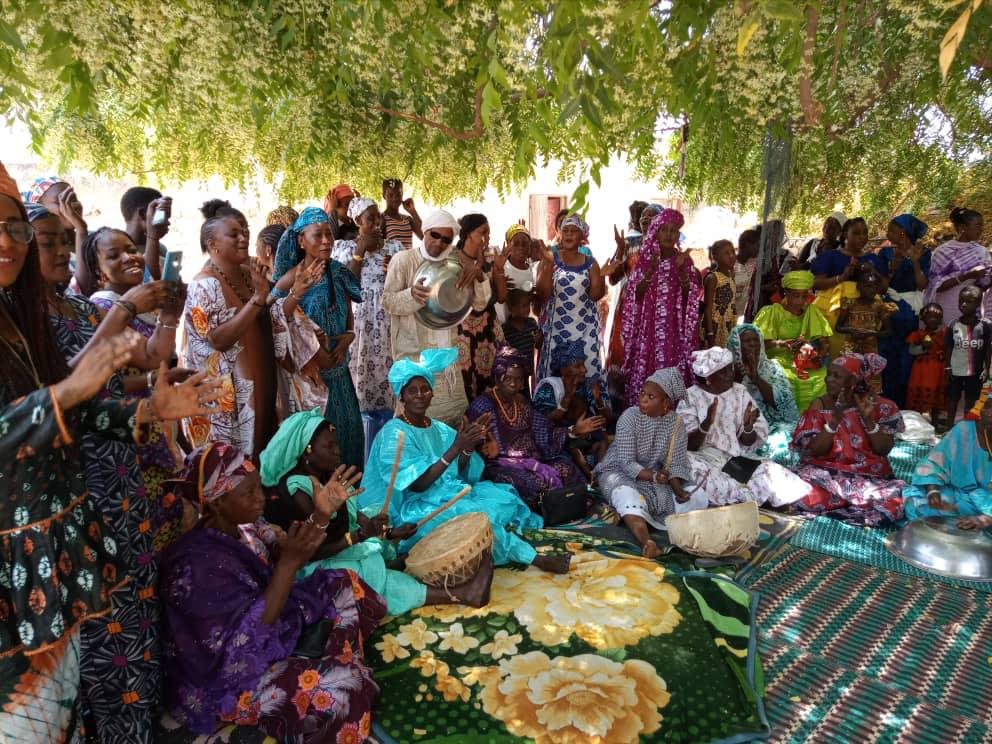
pixel 173 266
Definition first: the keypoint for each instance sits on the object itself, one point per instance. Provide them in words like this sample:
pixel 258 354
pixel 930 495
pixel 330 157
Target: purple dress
pixel 530 450
pixel 671 314
pixel 952 259
pixel 224 663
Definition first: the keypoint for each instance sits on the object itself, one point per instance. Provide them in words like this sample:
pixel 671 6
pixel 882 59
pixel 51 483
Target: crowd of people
pixel 209 485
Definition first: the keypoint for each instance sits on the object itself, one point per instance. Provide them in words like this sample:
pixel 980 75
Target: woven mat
pixel 853 653
pixel 866 545
pixel 619 650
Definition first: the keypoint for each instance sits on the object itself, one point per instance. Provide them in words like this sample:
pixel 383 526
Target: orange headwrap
pixel 8 187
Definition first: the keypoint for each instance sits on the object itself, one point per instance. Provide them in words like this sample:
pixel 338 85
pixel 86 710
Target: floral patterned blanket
pixel 621 649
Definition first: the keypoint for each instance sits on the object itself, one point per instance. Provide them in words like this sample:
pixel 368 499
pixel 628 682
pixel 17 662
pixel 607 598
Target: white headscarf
pixel 708 361
pixel 358 205
pixel 439 219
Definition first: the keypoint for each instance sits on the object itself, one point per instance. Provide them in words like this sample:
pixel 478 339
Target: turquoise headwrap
pixel 289 442
pixel 288 252
pixel 432 361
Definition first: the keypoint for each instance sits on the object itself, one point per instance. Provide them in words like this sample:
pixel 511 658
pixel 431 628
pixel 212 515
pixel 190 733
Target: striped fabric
pixel 399 228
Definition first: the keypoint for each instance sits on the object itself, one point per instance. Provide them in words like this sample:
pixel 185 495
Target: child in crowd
pixel 521 329
pixel 719 312
pixel 969 341
pixel 865 318
pixel 926 380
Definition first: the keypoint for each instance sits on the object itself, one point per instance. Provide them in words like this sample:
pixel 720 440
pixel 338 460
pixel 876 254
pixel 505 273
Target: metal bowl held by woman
pixel 446 305
pixel 938 545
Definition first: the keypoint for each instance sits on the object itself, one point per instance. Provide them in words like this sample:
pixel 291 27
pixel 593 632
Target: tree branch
pixel 456 134
pixel 810 106
pixel 888 78
pixel 838 41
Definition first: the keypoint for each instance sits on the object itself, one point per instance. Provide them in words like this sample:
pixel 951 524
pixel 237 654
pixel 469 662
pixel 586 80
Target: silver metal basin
pixel 936 544
pixel 446 305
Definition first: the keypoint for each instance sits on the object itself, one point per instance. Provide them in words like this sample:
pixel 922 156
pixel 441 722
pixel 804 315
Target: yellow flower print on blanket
pixel 584 698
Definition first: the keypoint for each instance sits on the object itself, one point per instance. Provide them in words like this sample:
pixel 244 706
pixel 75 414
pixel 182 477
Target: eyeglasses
pixel 443 238
pixel 21 231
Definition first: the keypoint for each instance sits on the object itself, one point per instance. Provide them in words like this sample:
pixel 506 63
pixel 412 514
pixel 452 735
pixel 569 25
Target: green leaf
pixel 750 24
pixel 497 73
pixel 783 10
pixel 10 37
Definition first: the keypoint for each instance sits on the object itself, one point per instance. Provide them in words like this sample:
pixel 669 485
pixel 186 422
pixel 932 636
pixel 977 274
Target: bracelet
pixel 467 453
pixel 128 306
pixel 747 431
pixel 150 379
pixel 356 258
pixel 872 431
pixel 827 428
pixel 445 461
pixel 168 326
pixel 310 520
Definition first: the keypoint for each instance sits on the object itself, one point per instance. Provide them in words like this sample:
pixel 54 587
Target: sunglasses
pixel 443 238
pixel 21 231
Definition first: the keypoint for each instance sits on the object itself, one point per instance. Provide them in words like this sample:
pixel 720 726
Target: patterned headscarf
pixel 288 252
pixel 514 230
pixel 862 366
pixel 734 346
pixel 282 215
pixel 358 205
pixel 507 357
pixel 36 212
pixel 575 221
pixel 566 354
pixel 976 410
pixel 432 361
pixel 797 280
pixel 39 187
pixel 211 472
pixel 707 361
pixel 915 228
pixel 288 444
pixel 670 380
pixel 669 217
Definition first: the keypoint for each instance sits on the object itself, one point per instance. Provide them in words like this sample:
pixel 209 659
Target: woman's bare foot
pixel 474 592
pixel 557 564
pixel 650 549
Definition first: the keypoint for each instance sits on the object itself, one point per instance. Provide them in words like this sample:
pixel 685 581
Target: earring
pixel 309 449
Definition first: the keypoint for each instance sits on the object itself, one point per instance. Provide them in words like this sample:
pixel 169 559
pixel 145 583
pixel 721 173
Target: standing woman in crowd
pixel 46 514
pixel 368 258
pixel 909 267
pixel 666 295
pixel 265 246
pixel 960 263
pixel 327 303
pixel 228 333
pixel 481 332
pixel 569 284
pixel 396 226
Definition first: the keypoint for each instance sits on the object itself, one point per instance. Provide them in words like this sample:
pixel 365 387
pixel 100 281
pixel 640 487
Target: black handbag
pixel 313 639
pixel 565 504
pixel 741 468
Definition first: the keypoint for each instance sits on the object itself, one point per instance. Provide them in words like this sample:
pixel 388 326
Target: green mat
pixel 854 653
pixel 619 650
pixel 865 545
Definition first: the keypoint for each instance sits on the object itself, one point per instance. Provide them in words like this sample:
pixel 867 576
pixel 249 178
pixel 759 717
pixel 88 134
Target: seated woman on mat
pixel 523 448
pixel 788 326
pixel 247 642
pixel 301 458
pixel 843 442
pixel 954 479
pixel 646 466
pixel 436 463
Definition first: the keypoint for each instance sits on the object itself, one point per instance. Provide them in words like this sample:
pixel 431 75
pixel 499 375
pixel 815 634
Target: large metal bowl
pixel 936 544
pixel 446 305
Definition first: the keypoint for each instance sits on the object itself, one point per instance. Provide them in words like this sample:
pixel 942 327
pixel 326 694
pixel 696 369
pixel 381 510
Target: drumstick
pixel 392 475
pixel 443 506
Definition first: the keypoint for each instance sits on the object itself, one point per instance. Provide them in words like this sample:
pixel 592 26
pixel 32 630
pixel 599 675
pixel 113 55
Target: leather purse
pixel 563 505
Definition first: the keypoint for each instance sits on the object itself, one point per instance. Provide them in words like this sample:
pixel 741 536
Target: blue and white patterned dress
pixel 571 315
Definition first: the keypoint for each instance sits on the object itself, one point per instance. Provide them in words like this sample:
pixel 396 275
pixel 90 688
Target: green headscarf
pixel 289 442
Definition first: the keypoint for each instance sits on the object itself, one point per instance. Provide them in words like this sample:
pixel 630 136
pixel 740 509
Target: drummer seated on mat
pixel 402 297
pixel 954 479
pixel 303 460
pixel 436 463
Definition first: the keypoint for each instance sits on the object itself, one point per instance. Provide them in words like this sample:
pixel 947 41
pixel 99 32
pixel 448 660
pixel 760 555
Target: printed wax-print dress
pixel 570 315
pixel 120 651
pixel 926 380
pixel 296 342
pixel 644 442
pixel 58 562
pixel 851 480
pixel 224 663
pixel 724 311
pixel 478 336
pixel 530 454
pixel 326 303
pixel 206 309
pixel 370 354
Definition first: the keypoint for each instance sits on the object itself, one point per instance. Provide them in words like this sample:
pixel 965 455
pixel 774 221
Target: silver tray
pixel 446 305
pixel 937 545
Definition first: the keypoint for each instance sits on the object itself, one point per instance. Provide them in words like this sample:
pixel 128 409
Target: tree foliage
pixel 456 95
